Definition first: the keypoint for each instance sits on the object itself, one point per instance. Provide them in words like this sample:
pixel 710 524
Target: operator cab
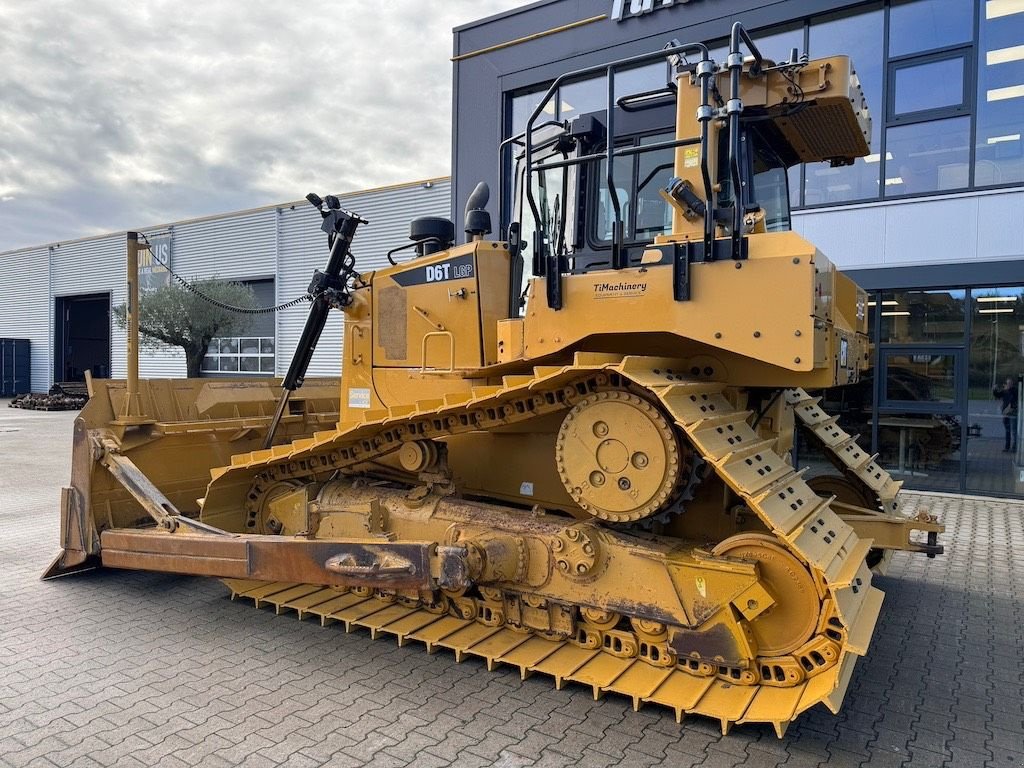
pixel 690 170
pixel 576 204
pixel 574 200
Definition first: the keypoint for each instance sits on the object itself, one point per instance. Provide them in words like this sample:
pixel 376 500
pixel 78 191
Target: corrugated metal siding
pixel 304 248
pixel 24 276
pixel 93 266
pixel 232 247
pixel 285 243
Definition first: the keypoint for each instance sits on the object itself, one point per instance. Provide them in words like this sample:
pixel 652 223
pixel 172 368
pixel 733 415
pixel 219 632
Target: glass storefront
pixel 995 364
pixel 942 404
pixel 921 317
pixel 945 91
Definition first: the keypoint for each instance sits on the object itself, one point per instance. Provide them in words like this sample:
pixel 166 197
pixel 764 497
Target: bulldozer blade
pixel 124 477
pixel 68 563
pixel 77 552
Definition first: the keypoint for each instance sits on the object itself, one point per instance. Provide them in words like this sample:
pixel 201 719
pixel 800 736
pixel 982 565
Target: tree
pixel 178 317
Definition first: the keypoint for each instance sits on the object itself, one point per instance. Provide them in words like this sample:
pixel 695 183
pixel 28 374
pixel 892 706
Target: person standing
pixel 1007 397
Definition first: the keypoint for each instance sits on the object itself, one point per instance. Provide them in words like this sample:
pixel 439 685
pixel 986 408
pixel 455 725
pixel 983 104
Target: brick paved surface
pixel 134 669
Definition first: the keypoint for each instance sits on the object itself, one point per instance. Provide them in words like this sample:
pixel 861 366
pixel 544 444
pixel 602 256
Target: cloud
pixel 118 115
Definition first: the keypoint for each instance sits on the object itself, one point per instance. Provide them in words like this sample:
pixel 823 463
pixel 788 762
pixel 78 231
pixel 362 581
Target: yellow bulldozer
pixel 568 451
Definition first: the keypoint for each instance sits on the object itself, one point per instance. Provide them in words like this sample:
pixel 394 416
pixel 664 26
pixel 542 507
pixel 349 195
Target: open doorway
pixel 82 337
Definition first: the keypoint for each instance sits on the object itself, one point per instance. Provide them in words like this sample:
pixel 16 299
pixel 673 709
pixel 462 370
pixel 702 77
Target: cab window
pixel 766 182
pixel 771 186
pixel 638 179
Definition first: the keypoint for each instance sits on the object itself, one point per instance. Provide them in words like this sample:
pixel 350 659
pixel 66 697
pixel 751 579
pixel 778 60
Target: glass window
pixel 602 223
pixel 638 179
pixel 860 37
pixel 654 169
pixel 995 366
pixel 524 104
pixel 547 196
pixel 591 95
pixel 927 157
pixel 793 182
pixel 777 45
pixel 935 84
pixel 254 354
pixel 923 25
pixel 873 299
pixel 649 77
pixel 921 449
pixel 999 156
pixel 771 189
pixel 920 377
pixel 581 97
pixel 910 317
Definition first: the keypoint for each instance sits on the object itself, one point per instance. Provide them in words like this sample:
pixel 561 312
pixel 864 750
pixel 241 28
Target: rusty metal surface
pixel 268 558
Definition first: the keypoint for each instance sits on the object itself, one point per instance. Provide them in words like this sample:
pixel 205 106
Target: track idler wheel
pixel 794 617
pixel 619 457
pixel 845 491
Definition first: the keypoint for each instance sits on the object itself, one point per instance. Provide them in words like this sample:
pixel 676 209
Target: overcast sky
pixel 116 115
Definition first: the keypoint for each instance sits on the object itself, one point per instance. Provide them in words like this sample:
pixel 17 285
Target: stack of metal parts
pixel 63 396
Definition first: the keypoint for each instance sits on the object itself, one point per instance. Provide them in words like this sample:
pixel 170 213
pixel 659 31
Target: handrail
pixel 451 352
pixel 733 109
pixel 549 259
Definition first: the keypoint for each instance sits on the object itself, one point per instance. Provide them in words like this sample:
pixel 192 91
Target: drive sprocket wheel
pixel 619 457
pixel 792 619
pixel 260 514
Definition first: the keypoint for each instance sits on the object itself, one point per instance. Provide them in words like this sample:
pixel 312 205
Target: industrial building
pixel 60 296
pixel 932 222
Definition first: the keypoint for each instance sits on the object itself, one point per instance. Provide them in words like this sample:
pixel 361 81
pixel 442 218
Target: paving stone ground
pixel 134 669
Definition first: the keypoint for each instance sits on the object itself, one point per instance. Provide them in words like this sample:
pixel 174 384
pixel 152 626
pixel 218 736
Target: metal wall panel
pixel 849 238
pixel 1001 225
pixel 958 229
pixel 96 265
pixel 232 247
pixel 24 280
pixel 303 248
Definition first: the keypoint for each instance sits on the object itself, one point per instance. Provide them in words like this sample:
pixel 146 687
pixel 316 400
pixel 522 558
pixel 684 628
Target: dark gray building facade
pixel 931 223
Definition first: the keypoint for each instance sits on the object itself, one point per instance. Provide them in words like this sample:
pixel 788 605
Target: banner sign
pixel 153 274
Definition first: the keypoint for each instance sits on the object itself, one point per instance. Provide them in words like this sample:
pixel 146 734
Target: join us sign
pixel 153 272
